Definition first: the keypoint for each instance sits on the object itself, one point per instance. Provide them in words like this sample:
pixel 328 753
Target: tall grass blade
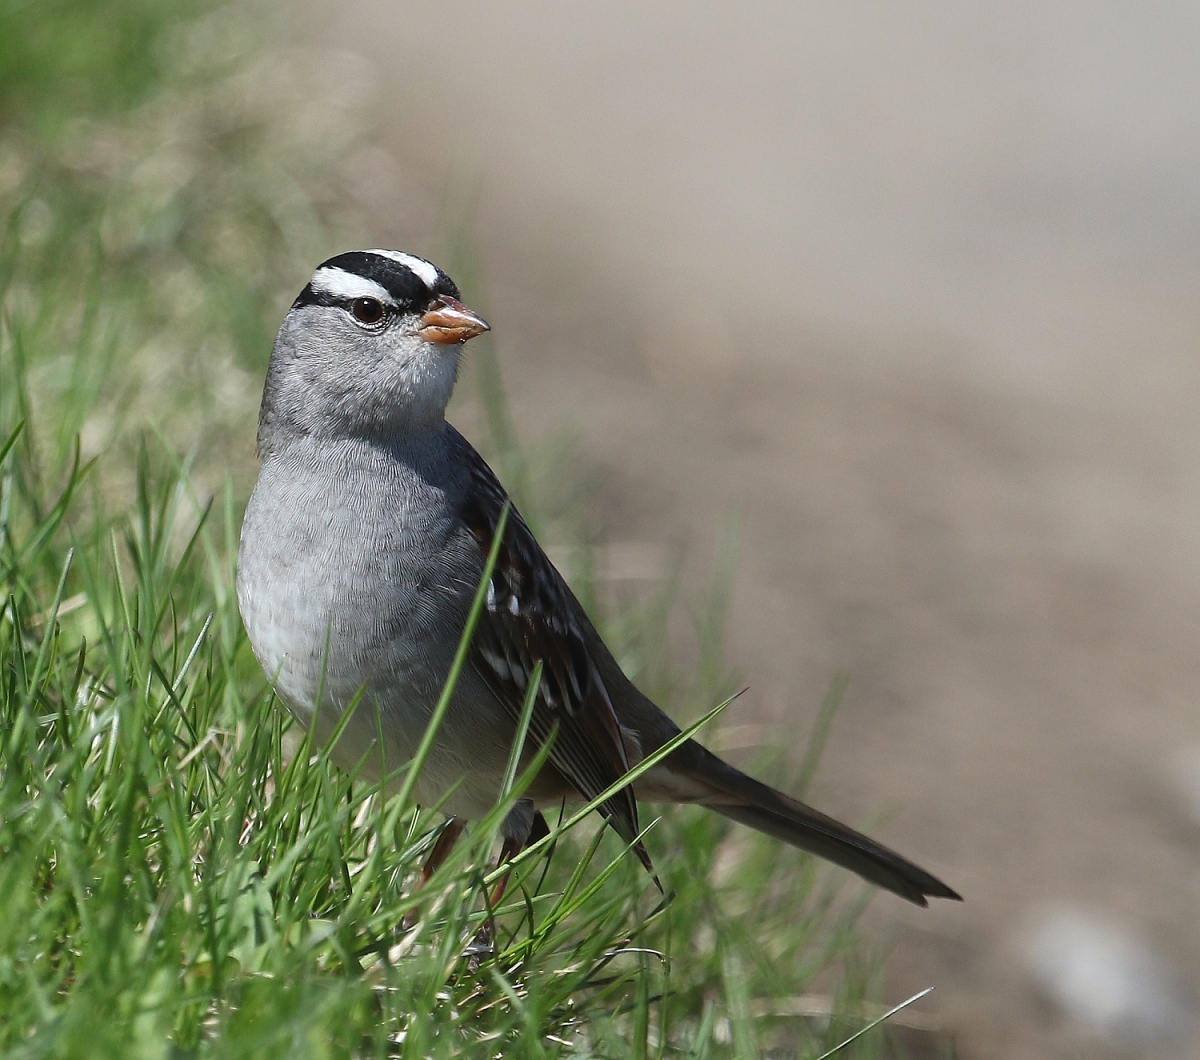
pixel 875 1023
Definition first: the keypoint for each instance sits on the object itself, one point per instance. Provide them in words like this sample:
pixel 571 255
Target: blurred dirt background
pixel 913 287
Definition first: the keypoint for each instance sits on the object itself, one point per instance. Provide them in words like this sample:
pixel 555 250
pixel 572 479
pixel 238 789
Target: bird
pixel 363 546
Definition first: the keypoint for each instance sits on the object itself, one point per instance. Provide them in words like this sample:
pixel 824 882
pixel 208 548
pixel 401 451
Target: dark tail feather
pixel 783 817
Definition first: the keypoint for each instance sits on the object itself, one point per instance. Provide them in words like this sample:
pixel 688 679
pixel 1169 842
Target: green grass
pixel 183 874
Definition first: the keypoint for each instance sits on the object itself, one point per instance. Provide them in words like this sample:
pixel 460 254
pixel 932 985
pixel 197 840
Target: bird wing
pixel 532 616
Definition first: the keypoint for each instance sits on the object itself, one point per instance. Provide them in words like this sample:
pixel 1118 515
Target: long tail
pixel 702 777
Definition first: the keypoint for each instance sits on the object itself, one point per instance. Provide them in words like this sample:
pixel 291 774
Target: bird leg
pixel 442 847
pixel 449 835
pixel 508 850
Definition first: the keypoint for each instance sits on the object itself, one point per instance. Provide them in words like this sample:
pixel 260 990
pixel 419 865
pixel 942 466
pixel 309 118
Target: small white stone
pixel 1102 976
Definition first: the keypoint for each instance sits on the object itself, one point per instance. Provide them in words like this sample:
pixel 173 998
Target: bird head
pixel 370 346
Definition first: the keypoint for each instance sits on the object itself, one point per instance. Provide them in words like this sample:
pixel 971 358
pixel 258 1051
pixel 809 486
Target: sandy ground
pixel 914 288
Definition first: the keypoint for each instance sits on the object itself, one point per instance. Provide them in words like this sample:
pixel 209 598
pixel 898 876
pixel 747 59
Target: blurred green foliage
pixel 175 883
pixel 63 59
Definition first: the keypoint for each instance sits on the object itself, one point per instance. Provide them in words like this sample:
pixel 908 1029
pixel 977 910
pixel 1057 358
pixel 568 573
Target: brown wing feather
pixel 532 616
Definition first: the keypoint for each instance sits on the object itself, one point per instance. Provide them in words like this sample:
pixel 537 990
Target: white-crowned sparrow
pixel 364 543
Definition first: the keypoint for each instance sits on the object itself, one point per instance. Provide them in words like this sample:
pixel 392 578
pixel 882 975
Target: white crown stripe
pixel 426 270
pixel 338 283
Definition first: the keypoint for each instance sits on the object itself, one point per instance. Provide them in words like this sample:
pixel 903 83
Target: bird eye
pixel 367 310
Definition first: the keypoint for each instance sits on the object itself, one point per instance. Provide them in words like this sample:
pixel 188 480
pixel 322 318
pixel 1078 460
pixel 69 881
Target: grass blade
pixel 875 1023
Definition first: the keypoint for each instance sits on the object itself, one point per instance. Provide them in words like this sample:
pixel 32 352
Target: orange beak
pixel 448 322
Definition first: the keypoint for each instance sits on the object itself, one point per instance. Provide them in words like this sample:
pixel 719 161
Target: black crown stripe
pixel 407 289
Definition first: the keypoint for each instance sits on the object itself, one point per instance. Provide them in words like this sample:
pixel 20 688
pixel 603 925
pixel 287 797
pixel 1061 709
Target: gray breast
pixel 354 574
